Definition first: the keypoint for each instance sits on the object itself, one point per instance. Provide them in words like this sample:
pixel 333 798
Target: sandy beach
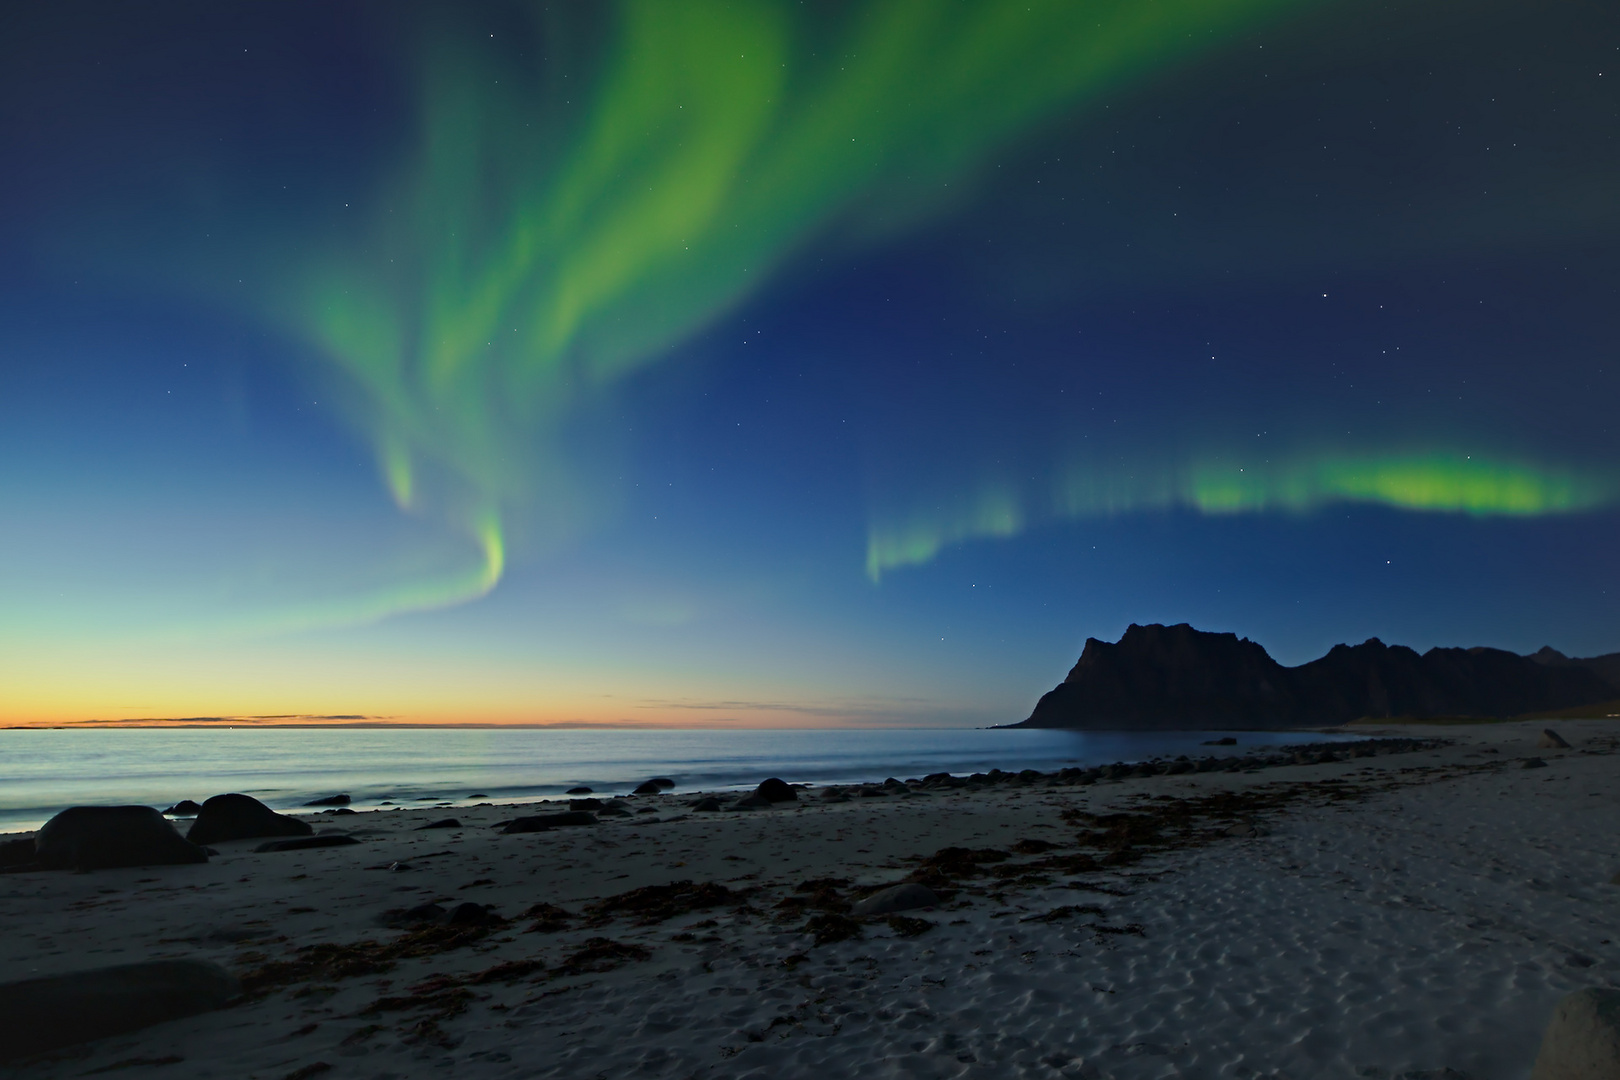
pixel 1409 914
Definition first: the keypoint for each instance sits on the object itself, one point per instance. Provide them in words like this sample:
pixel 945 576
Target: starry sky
pixel 764 363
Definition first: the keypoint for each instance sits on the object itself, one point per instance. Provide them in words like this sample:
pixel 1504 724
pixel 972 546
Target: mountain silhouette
pixel 1175 677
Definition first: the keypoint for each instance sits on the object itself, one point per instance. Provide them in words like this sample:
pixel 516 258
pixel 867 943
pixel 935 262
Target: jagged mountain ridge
pixel 1176 677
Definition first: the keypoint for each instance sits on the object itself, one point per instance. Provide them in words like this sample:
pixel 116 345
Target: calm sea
pixel 43 771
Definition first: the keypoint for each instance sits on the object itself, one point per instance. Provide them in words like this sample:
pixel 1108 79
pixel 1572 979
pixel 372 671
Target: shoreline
pixel 460 768
pixel 1408 911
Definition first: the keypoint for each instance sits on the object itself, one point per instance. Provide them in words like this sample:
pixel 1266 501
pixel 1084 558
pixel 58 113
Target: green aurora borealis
pixel 507 279
pixel 1437 482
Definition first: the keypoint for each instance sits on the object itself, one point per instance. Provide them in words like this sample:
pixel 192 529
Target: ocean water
pixel 43 771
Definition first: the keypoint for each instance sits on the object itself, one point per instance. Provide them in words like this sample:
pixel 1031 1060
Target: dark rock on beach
pixel 446 823
pixel 542 822
pixel 707 805
pixel 299 843
pixel 102 837
pixel 1168 677
pixel 581 790
pixel 775 790
pixel 662 781
pixel 331 800
pixel 463 914
pixel 648 788
pixel 755 801
pixel 64 1010
pixel 1551 740
pixel 902 897
pixel 242 817
pixel 18 852
pixel 1533 763
pixel 183 808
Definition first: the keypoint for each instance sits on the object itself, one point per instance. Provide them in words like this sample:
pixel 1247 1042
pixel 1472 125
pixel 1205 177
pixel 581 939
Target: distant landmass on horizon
pixel 1160 677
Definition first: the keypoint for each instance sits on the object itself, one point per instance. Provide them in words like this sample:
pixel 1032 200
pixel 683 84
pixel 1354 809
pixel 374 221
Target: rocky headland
pixel 1175 677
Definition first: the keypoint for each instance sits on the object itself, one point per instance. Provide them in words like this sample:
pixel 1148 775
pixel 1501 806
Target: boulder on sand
pixel 102 837
pixel 63 1010
pixel 1551 740
pixel 183 808
pixel 542 822
pixel 774 790
pixel 897 898
pixel 18 851
pixel 648 788
pixel 299 843
pixel 241 817
pixel 1582 1041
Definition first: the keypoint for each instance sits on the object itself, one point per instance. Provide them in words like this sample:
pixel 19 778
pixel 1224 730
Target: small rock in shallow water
pixel 582 790
pixel 330 800
pixel 648 788
pixel 183 808
pixel 902 897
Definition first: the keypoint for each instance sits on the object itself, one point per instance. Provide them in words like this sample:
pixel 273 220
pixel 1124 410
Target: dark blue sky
pixel 526 366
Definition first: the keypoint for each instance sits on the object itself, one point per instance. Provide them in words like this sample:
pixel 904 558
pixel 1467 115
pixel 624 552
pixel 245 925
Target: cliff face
pixel 1168 677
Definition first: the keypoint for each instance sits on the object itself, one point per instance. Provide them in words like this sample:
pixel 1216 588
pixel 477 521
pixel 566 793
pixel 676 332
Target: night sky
pixel 769 363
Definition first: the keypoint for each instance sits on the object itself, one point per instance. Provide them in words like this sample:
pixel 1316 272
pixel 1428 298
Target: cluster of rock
pixel 769 792
pixel 1323 753
pixel 106 837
